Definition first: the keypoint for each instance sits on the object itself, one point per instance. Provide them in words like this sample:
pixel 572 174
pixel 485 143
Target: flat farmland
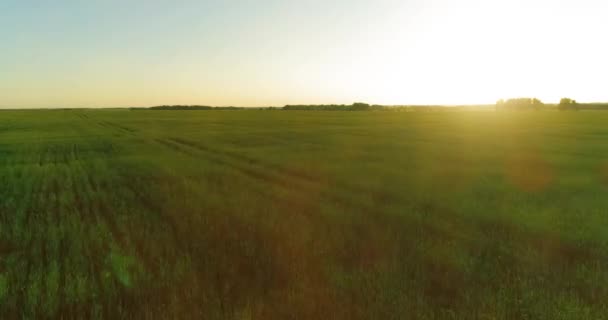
pixel 267 214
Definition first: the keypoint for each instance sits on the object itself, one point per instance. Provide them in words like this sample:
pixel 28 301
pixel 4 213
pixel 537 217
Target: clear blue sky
pixel 135 53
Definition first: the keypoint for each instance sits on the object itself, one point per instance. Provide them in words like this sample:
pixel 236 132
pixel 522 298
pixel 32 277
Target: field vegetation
pixel 220 214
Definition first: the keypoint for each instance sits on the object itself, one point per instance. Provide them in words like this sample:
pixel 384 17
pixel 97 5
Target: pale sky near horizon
pixel 69 53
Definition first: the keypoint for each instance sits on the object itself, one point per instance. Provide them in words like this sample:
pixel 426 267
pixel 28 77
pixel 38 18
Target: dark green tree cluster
pixel 358 106
pixel 194 107
pixel 519 104
pixel 567 104
pixel 180 107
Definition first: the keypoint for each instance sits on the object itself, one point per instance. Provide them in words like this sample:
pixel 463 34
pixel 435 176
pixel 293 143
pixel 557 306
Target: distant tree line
pixel 193 107
pixel 357 106
pixel 564 104
pixel 325 107
pixel 510 104
pixel 520 104
pixel 568 104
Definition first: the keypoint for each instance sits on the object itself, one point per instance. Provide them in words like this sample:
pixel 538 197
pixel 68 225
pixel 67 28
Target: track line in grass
pixel 95 255
pixel 339 193
pixel 292 174
pixel 117 127
pixel 60 256
pixel 148 204
pixel 37 241
pixel 26 255
pixel 255 173
pixel 268 173
pixel 92 253
pixel 69 165
pixel 101 209
pixel 265 167
pixel 47 239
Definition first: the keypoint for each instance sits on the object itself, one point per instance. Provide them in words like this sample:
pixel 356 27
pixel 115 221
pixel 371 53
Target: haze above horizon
pixel 271 52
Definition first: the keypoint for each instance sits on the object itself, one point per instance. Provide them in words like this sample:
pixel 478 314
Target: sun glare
pixel 471 54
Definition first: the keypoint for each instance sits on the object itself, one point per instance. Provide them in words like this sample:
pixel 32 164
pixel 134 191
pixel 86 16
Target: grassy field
pixel 303 215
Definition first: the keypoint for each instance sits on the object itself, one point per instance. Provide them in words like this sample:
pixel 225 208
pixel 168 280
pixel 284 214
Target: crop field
pixel 119 214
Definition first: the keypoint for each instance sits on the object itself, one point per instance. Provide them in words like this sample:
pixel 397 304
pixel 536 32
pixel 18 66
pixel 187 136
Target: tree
pixel 567 104
pixel 520 104
pixel 500 104
pixel 536 104
pixel 359 106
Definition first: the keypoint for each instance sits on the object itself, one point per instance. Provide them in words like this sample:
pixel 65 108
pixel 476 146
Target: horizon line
pixel 275 106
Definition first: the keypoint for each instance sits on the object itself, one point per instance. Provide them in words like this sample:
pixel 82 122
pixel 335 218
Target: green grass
pixel 121 214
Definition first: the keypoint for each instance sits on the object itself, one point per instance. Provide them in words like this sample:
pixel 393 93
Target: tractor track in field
pixel 26 252
pixel 95 268
pixel 114 229
pixel 93 212
pixel 101 208
pixel 264 169
pixel 249 169
pixel 121 129
pixel 61 249
pixel 237 157
pixel 89 211
pixel 266 173
pixel 149 206
pixel 48 187
pixel 252 167
pixel 256 174
pixel 44 266
pixel 127 243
